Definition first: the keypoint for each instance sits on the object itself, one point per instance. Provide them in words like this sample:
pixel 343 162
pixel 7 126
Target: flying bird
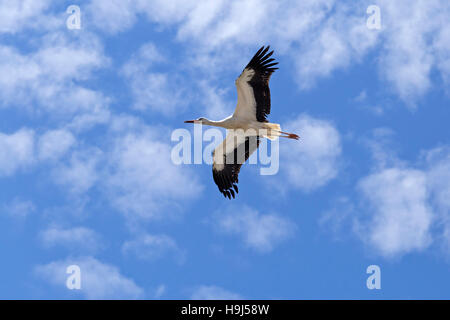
pixel 247 125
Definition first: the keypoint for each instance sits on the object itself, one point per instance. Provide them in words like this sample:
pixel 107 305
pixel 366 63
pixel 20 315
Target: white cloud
pixel 49 78
pixel 313 161
pixel 18 208
pixel 165 12
pixel 400 214
pixel 200 17
pixel 142 181
pixel 213 293
pixel 438 181
pixel 147 56
pixel 51 68
pixel 438 161
pixel 325 36
pixel 98 280
pixel 319 36
pixel 412 44
pixel 219 26
pixel 382 149
pixel 217 106
pixel 163 92
pixel 119 15
pixel 158 91
pixel 362 100
pixel 132 169
pixel 361 97
pixel 404 207
pixel 74 238
pixel 340 217
pixel 160 291
pixel 81 172
pixel 111 16
pixel 442 46
pixel 335 43
pixel 16 151
pixel 70 58
pixel 53 144
pixel 17 15
pixel 151 247
pixel 261 232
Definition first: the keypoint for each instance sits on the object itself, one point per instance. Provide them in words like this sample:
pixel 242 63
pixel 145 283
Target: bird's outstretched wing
pixel 253 87
pixel 228 158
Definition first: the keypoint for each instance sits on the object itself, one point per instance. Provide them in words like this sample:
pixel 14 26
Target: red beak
pixel 189 121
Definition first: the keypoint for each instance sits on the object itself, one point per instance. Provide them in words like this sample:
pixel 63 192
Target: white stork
pixel 250 114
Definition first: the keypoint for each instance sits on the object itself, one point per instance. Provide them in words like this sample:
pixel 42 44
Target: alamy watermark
pixel 235 146
pixel 374 280
pixel 374 20
pixel 74 20
pixel 74 279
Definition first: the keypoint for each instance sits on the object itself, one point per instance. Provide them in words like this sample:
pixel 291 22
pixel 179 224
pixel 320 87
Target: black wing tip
pixel 261 61
pixel 229 192
pixel 227 178
pixel 225 185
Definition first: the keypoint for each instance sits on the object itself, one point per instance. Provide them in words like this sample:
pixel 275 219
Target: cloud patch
pixel 18 208
pixel 213 293
pixel 401 216
pixel 53 144
pixel 313 161
pixel 75 238
pixel 98 280
pixel 403 207
pixel 260 232
pixel 150 247
pixel 141 178
pixel 16 151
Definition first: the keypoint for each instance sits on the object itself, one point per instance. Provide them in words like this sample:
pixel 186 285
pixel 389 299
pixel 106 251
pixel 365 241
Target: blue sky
pixel 87 177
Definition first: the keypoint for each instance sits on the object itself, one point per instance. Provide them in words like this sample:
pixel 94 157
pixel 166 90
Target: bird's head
pixel 199 120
